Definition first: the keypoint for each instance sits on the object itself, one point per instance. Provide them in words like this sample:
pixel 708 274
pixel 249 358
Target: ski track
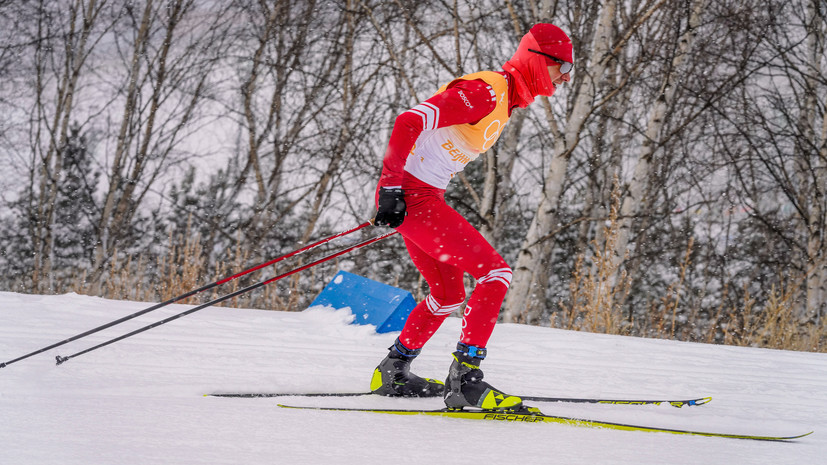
pixel 141 400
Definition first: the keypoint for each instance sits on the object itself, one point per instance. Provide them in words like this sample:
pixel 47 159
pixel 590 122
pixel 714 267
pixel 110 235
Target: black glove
pixel 392 206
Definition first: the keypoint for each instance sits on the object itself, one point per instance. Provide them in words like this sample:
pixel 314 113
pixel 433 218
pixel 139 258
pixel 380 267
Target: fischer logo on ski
pixel 527 418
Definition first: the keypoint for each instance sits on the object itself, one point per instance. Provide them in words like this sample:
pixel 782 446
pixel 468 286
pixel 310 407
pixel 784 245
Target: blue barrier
pixel 372 302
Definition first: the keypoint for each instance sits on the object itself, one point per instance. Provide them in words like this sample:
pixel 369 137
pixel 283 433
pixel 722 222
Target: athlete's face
pixel 557 77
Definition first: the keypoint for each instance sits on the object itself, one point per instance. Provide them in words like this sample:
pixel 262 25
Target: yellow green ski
pixel 533 415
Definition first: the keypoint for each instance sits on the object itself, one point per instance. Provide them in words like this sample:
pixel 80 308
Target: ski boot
pixel 465 387
pixel 393 376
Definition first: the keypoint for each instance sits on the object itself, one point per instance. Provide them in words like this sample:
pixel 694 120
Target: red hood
pixel 529 69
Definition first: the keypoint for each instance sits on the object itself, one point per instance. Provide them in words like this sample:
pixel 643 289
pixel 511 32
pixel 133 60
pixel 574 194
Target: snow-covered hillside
pixel 141 400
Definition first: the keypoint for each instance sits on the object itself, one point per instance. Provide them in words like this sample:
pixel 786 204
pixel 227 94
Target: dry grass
pixel 598 289
pixel 776 325
pixel 183 268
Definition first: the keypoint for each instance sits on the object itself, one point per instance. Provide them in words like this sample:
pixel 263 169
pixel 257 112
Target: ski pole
pixel 189 294
pixel 226 297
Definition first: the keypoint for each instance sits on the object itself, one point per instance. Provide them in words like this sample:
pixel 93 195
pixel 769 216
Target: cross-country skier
pixel 429 144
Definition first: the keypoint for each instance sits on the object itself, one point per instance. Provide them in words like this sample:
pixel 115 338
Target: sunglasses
pixel 565 66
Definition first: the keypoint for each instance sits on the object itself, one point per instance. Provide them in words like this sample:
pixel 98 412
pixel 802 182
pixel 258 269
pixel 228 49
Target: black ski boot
pixel 465 387
pixel 393 376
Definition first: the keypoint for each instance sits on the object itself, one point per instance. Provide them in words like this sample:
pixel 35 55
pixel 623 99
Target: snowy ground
pixel 140 400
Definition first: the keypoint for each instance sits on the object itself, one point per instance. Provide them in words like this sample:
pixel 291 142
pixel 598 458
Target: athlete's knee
pixel 445 305
pixel 497 275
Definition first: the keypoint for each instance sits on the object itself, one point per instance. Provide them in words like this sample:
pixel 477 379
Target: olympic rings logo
pixel 491 137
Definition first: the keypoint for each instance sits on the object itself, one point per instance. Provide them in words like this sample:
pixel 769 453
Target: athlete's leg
pixel 443 235
pixel 447 293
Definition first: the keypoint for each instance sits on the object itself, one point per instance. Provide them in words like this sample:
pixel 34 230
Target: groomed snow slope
pixel 141 400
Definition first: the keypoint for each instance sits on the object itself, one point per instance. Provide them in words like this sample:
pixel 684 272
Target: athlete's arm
pixel 463 102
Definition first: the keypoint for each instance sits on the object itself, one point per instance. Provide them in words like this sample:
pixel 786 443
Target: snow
pixel 141 400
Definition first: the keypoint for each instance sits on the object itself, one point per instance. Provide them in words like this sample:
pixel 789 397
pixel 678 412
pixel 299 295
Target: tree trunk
pixel 75 54
pixel 634 201
pixel 103 245
pixel 816 256
pixel 530 256
pixel 499 163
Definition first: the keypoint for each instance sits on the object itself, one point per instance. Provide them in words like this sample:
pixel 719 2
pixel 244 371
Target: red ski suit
pixel 429 144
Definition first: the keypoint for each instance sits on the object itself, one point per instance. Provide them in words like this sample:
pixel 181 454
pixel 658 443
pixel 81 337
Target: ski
pixel 533 415
pixel 250 395
pixel 674 403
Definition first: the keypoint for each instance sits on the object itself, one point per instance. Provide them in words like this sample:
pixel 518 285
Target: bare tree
pixel 771 132
pixel 164 85
pixel 633 202
pixel 64 40
pixel 588 93
pixel 711 113
pixel 813 158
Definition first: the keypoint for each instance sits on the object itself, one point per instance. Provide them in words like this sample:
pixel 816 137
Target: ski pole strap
pixel 404 351
pixel 472 351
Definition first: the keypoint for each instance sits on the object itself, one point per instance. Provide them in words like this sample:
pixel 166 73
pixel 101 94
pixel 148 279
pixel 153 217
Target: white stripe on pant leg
pixel 436 309
pixel 432 304
pixel 501 275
